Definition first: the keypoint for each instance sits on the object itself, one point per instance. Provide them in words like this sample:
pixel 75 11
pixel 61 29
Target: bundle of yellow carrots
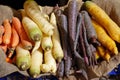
pixel 108 32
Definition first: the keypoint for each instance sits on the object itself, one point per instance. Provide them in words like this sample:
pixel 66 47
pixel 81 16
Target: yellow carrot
pixel 104 38
pixel 36 46
pixel 49 63
pixel 36 61
pixel 31 28
pixel 46 43
pixel 103 53
pixel 23 58
pixel 107 55
pixel 97 56
pixel 57 48
pixel 43 13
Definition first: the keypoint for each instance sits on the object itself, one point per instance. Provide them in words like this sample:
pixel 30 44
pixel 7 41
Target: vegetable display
pixel 64 42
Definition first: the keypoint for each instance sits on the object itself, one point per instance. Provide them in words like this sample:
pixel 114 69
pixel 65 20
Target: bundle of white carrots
pixel 29 43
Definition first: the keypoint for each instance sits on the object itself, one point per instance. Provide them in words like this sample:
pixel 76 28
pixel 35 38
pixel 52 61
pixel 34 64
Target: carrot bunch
pixel 11 34
pixel 8 38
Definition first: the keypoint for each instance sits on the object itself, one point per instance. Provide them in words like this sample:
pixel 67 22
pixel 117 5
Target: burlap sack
pixel 111 7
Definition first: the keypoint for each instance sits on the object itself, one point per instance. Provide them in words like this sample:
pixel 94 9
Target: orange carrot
pixel 4 47
pixel 8 60
pixel 2 30
pixel 14 42
pixel 15 38
pixel 7 33
pixel 27 44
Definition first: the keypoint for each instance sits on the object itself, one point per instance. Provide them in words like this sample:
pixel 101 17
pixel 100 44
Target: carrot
pixel 31 28
pixel 94 51
pixel 10 60
pixel 78 59
pixel 8 31
pixel 81 36
pixel 46 43
pixel 104 53
pixel 57 48
pixel 49 64
pixel 15 38
pixel 4 47
pixel 104 38
pixel 2 30
pixel 87 45
pixel 97 56
pixel 43 13
pixel 36 46
pixel 63 29
pixel 13 43
pixel 90 31
pixel 57 11
pixel 26 43
pixel 107 55
pixel 23 58
pixel 72 18
pixel 60 69
pixel 36 61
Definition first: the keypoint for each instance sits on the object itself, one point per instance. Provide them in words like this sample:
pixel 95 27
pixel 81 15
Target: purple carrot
pixel 68 64
pixel 83 48
pixel 60 69
pixel 87 46
pixel 63 29
pixel 57 11
pixel 72 18
pixel 90 31
pixel 93 49
pixel 78 59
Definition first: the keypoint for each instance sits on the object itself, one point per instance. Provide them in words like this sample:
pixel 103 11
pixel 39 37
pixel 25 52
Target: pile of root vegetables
pixel 69 39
